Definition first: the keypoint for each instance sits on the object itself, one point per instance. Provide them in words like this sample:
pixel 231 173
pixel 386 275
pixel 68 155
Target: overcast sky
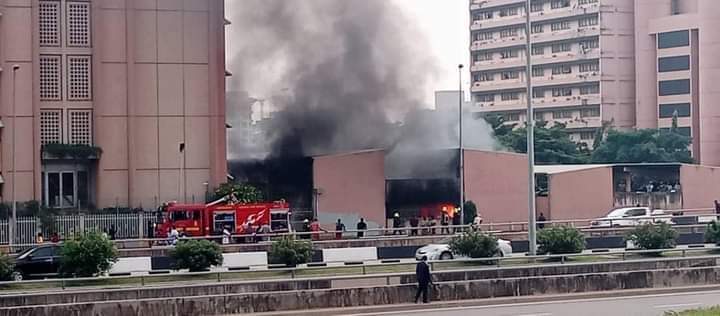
pixel 444 24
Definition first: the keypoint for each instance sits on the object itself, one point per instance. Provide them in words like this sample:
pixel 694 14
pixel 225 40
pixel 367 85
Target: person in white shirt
pixel 226 235
pixel 174 235
pixel 477 221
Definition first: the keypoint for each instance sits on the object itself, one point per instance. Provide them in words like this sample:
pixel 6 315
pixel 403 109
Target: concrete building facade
pixel 143 81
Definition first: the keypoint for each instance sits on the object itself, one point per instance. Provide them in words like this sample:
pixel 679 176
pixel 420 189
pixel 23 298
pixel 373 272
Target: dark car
pixel 38 262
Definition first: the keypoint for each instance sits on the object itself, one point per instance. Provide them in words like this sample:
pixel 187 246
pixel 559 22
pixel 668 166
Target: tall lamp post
pixel 11 230
pixel 530 124
pixel 461 167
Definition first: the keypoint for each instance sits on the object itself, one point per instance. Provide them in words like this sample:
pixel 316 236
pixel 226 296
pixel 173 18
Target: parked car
pixel 38 262
pixel 631 216
pixel 441 251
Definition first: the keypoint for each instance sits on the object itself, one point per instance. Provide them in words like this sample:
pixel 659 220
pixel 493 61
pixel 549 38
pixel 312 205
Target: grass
pixel 712 311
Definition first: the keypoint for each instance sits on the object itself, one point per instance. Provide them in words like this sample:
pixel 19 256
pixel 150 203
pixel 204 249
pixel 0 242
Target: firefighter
pixel 396 224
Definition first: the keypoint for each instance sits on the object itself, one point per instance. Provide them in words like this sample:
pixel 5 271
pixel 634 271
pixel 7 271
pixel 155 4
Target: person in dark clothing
pixel 396 224
pixel 112 232
pixel 541 221
pixel 339 229
pixel 414 222
pixel 456 222
pixel 361 227
pixel 422 274
pixel 305 229
pixel 444 222
pixel 717 207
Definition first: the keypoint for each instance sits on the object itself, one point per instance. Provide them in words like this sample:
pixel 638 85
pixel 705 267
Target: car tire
pixel 16 276
pixel 446 256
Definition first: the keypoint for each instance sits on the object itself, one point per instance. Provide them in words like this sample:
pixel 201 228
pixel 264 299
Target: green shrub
pixel 653 236
pixel 560 240
pixel 290 251
pixel 87 255
pixel 470 210
pixel 712 233
pixel 6 267
pixel 196 255
pixel 474 245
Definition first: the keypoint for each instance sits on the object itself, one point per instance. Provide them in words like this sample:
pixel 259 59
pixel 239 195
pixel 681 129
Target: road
pixel 641 305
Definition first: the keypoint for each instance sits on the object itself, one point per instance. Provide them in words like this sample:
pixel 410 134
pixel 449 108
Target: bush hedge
pixel 87 255
pixel 474 244
pixel 290 251
pixel 196 255
pixel 560 240
pixel 653 236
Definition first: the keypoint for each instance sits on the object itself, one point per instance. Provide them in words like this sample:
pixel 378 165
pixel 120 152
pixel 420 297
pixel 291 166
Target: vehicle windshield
pixel 617 213
pixel 24 253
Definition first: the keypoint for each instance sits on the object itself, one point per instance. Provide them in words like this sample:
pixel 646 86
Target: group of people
pixel 428 225
pixel 54 238
pixel 250 230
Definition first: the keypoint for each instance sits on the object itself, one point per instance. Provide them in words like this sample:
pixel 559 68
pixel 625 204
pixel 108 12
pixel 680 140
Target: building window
pixel 512 117
pixel 588 67
pixel 673 39
pixel 50 127
pixel 485 76
pixel 562 114
pixel 668 110
pixel 537 28
pixel 593 89
pixel 557 26
pixel 484 15
pixel 536 6
pixel 557 4
pixel 590 44
pixel 674 63
pixel 587 1
pixel 506 75
pixel 562 47
pixel 509 11
pixel 590 112
pixel 80 127
pixel 507 96
pixel 79 78
pixel 509 53
pixel 539 116
pixel 483 36
pixel 674 87
pixel 562 92
pixel 482 57
pixel 685 131
pixel 508 32
pixel 587 135
pixel 50 78
pixel 589 21
pixel 562 69
pixel 484 97
pixel 49 20
pixel 538 50
pixel 538 93
pixel 538 72
pixel 78 24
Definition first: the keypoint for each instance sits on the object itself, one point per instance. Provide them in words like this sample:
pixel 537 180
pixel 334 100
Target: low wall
pixel 379 295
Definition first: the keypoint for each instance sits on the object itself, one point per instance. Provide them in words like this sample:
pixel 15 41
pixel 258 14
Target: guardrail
pixel 360 268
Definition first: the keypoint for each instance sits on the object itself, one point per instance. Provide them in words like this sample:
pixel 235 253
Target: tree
pixel 290 251
pixel 87 255
pixel 196 255
pixel 644 145
pixel 245 193
pixel 498 124
pixel 552 144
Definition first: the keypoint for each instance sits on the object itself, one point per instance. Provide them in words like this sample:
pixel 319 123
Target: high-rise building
pixel 582 54
pixel 677 45
pixel 139 85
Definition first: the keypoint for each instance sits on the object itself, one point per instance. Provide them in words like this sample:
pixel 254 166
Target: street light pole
pixel 461 164
pixel 11 228
pixel 530 127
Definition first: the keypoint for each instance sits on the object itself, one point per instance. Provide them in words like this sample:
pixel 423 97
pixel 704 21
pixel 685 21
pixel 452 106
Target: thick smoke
pixel 346 75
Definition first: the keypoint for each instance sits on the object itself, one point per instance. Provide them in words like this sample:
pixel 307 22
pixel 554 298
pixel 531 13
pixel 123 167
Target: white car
pixel 441 251
pixel 631 216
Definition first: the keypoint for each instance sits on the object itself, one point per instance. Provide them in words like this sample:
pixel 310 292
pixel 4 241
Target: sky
pixel 443 23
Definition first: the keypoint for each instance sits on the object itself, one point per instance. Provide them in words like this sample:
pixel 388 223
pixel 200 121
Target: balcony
pixel 494 64
pixel 496 43
pixel 498 22
pixel 566 79
pixel 70 152
pixel 558 102
pixel 484 4
pixel 562 35
pixel 495 85
pixel 565 12
pixel 579 122
pixel 563 57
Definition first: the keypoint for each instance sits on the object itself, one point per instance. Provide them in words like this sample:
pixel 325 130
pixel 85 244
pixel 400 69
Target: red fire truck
pixel 210 219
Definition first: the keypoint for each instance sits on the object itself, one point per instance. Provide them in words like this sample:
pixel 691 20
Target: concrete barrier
pixel 378 295
pixel 130 265
pixel 350 254
pixel 245 259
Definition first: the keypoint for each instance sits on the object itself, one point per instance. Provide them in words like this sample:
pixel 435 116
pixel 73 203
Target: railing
pixel 357 269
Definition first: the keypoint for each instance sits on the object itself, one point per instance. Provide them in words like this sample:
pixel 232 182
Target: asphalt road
pixel 642 305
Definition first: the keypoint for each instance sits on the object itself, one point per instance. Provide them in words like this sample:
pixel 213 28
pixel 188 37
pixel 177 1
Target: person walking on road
pixel 361 227
pixel 339 229
pixel 422 274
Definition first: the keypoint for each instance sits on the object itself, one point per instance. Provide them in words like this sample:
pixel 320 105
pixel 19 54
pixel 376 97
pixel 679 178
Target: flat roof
pixel 551 169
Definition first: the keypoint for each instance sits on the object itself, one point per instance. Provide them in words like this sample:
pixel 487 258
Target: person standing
pixel 339 229
pixel 112 232
pixel 396 224
pixel 315 229
pixel 414 222
pixel 541 221
pixel 432 224
pixel 717 207
pixel 477 221
pixel 226 235
pixel 424 279
pixel 173 236
pixel 305 229
pixel 361 227
pixel 456 222
pixel 444 221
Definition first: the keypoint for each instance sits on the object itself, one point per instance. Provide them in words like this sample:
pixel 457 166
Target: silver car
pixel 441 250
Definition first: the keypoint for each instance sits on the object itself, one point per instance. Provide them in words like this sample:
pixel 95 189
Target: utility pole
pixel 530 123
pixel 461 164
pixel 13 221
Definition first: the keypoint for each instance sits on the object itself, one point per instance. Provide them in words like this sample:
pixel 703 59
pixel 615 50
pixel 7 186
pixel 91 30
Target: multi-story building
pixel 677 43
pixel 137 84
pixel 582 57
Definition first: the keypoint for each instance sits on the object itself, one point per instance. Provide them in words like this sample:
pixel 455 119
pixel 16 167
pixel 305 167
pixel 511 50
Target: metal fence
pixel 127 226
